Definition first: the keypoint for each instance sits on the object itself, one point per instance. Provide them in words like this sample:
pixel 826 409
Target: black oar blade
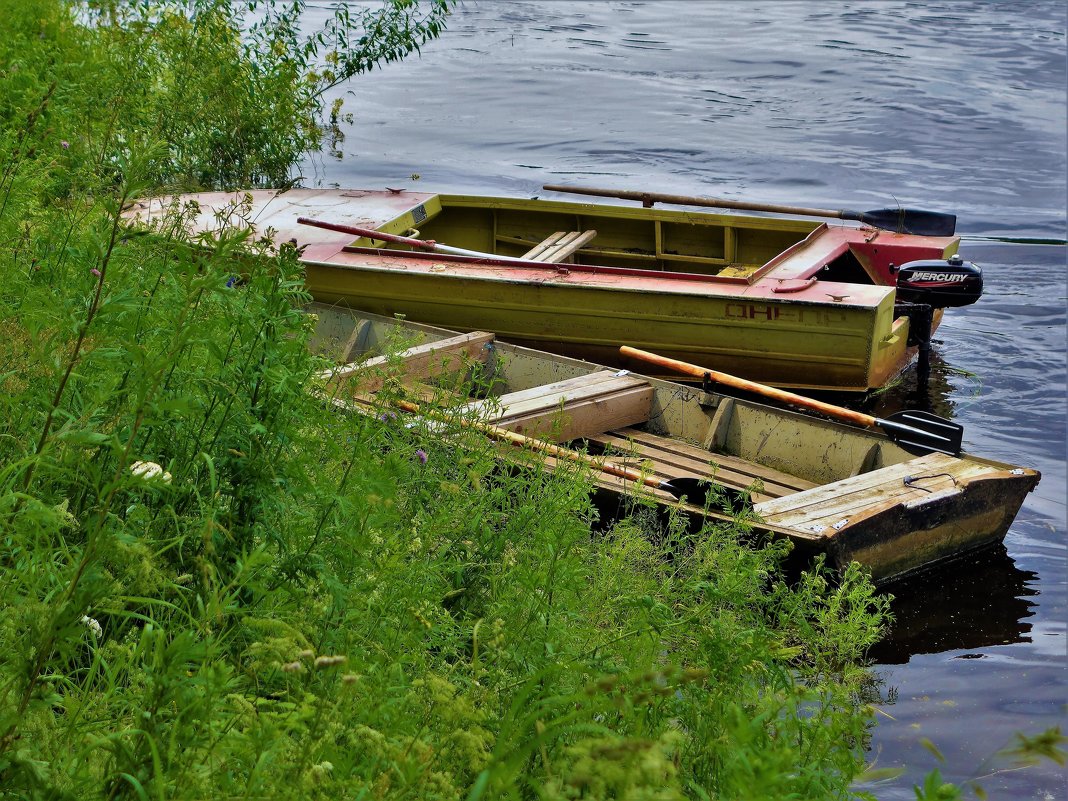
pixel 708 494
pixel 695 490
pixel 908 221
pixel 924 432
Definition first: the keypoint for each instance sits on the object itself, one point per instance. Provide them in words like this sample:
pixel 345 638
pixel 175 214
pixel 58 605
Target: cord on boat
pixel 910 481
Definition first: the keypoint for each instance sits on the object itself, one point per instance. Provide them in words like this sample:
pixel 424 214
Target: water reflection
pixel 912 391
pixel 969 605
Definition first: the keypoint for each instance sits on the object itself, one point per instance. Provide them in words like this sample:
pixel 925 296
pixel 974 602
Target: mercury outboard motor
pixel 940 284
pixel 922 287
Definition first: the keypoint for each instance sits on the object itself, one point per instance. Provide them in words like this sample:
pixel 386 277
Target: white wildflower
pixel 321 772
pixel 149 471
pixel 93 625
pixel 329 661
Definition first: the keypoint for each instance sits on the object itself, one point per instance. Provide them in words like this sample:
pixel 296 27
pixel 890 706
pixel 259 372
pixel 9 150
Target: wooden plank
pixel 577 391
pixel 622 486
pixel 841 499
pixel 770 476
pixel 924 465
pixel 520 399
pixel 667 464
pixel 567 246
pixel 679 468
pixel 559 246
pixel 673 458
pixel 572 408
pixel 583 418
pixel 424 362
pixel 535 252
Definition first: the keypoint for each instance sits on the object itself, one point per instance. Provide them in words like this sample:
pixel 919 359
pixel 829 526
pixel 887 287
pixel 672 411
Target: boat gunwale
pixel 554 278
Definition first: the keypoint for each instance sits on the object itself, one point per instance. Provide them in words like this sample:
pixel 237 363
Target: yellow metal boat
pixel 850 493
pixel 778 299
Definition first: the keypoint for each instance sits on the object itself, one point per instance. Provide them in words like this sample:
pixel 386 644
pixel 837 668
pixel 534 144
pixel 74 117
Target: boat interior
pixel 733 247
pixel 659 444
pixel 661 429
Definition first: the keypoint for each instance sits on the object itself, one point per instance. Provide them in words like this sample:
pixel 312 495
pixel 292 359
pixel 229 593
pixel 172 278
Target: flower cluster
pixel 150 471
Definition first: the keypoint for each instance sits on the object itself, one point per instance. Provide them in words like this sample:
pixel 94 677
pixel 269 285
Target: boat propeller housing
pixel 940 284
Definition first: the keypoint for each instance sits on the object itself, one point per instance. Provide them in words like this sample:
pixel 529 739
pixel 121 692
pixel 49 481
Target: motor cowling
pixel 940 284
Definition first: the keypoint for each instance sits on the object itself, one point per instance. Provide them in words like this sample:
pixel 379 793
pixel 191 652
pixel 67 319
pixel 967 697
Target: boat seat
pixel 571 408
pixel 426 362
pixel 827 507
pixel 559 246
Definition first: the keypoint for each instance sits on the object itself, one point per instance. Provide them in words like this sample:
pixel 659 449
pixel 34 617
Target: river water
pixel 953 106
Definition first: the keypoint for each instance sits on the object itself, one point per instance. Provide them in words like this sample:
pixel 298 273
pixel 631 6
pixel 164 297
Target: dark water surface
pixel 953 106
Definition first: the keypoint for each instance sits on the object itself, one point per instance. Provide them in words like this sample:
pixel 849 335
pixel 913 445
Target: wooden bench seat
pixel 669 458
pixel 423 362
pixel 572 408
pixel 559 246
pixel 825 506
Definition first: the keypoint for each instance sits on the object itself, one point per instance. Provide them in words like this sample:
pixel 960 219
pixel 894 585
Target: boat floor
pixel 666 458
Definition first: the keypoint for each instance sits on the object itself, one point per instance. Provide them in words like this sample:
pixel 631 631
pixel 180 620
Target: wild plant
pixel 215 582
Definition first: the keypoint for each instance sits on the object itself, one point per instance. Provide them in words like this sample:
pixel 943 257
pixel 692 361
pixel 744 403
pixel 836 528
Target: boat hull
pixel 908 536
pixel 788 343
pixel 783 301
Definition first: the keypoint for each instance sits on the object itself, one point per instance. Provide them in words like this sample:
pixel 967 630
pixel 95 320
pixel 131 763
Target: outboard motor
pixel 922 287
pixel 940 284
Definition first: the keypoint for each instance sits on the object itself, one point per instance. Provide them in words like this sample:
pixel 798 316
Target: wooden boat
pixel 849 493
pixel 778 299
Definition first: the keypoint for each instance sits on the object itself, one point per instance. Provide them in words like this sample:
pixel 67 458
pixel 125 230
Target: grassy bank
pixel 215 587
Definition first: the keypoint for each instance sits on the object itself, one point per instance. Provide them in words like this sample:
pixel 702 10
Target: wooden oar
pixel 911 429
pixel 422 244
pixel 905 221
pixel 694 490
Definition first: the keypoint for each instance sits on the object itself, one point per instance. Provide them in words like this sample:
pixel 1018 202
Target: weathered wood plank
pixel 559 246
pixel 668 464
pixel 535 396
pixel 840 499
pixel 572 408
pixel 422 362
pixel 585 417
pixel 674 457
pixel 770 476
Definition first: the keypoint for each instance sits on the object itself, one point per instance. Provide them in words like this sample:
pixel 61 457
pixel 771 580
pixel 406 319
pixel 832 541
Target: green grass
pixel 303 603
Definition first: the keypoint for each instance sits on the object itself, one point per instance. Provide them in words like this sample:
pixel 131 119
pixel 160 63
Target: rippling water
pixel 954 106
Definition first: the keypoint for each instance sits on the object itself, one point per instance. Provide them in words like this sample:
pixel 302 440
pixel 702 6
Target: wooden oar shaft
pixel 421 244
pixel 750 386
pixel 521 441
pixel 648 198
pixel 425 244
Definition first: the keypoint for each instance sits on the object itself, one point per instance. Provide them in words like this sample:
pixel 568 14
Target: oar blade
pixel 909 221
pixel 694 490
pixel 923 432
